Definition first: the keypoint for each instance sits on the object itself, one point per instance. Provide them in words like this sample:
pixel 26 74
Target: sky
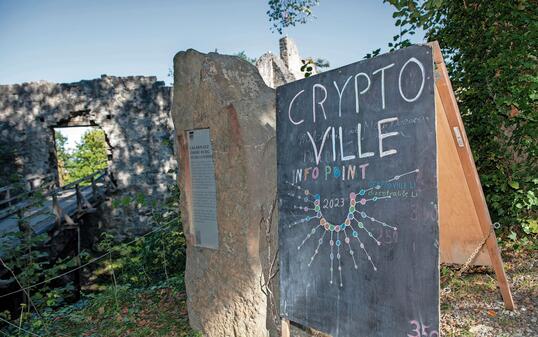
pixel 73 135
pixel 71 40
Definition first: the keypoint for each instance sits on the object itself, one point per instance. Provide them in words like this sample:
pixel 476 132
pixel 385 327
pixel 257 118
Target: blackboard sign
pixel 357 191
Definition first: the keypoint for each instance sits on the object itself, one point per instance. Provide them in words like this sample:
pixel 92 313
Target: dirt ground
pixel 474 305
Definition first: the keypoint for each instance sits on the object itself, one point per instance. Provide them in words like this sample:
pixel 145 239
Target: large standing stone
pixel 225 287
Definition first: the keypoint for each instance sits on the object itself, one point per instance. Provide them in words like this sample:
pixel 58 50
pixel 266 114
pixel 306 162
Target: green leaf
pixel 512 236
pixel 514 185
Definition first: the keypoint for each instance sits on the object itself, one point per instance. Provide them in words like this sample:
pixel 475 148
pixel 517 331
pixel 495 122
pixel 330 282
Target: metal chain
pixel 446 290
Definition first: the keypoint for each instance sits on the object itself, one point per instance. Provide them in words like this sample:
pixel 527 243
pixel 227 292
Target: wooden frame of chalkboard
pixel 463 216
pixel 465 221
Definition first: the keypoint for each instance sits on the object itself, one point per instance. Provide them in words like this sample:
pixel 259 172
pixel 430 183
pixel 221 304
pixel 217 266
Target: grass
pixel 122 311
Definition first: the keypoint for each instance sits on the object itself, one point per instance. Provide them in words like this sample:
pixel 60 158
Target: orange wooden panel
pixel 449 105
pixel 460 231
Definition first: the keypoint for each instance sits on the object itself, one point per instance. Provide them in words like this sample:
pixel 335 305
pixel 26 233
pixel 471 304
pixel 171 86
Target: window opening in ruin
pixel 80 151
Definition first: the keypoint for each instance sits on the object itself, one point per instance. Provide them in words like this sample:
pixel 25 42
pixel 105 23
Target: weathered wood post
pixel 94 188
pixel 224 117
pixel 79 198
pixel 56 207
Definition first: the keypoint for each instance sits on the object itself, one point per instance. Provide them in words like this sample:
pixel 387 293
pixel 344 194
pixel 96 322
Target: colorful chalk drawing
pixel 354 222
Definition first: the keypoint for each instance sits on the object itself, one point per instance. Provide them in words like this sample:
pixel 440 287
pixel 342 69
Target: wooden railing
pixel 16 192
pixel 19 203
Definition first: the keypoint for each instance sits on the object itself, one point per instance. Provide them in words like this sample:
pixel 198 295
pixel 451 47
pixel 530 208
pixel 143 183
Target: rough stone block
pixel 226 287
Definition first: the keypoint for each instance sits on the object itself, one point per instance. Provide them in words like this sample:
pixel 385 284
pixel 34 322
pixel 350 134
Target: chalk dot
pixel 332 258
pixel 320 242
pixel 298 247
pixel 337 228
pixel 317 196
pixel 313 230
pixel 351 252
pixel 375 268
pixel 308 218
pixel 396 177
pixel 338 256
pixel 352 202
pixel 362 245
pixel 331 227
pixel 374 198
pixel 351 209
pixel 316 202
pixel 352 195
pixel 305 209
pixel 350 216
pixel 355 234
pixel 343 226
pixel 326 226
pixel 338 243
pixel 323 221
pixel 317 208
pixel 378 243
pixel 363 214
pixel 347 222
pixel 331 243
pixel 307 192
pixel 339 268
pixel 369 258
pixel 305 199
pixel 363 201
pixel 361 225
pixel 346 240
pixel 318 214
pixel 377 187
pixel 362 192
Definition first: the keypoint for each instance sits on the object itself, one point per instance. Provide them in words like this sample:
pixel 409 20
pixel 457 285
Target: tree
pixel 89 155
pixel 62 156
pixel 490 48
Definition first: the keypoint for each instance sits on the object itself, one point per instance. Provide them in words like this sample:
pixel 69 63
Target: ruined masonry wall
pixel 134 113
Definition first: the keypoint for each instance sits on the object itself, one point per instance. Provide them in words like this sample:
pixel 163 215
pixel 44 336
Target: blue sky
pixel 70 40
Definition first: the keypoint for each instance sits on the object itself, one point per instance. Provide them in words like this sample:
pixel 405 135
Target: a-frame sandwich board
pixel 464 216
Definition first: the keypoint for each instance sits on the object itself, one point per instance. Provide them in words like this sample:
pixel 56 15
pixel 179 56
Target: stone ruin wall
pixel 134 113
